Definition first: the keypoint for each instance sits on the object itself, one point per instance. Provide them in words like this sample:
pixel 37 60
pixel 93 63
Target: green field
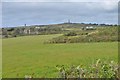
pixel 0 58
pixel 27 55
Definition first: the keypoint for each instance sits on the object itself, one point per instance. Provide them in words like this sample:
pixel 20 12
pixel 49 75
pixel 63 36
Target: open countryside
pixel 36 55
pixel 60 39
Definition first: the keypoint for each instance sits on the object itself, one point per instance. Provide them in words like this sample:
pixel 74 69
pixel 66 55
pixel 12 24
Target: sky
pixel 42 12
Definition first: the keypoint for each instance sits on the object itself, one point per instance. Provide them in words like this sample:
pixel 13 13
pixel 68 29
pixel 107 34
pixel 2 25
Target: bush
pixel 98 70
pixel 70 34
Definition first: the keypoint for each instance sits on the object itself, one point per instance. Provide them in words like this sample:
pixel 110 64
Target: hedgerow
pixel 101 69
pixel 100 35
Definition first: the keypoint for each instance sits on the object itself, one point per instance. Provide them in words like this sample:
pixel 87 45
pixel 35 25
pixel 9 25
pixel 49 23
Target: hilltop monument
pixel 25 25
pixel 68 21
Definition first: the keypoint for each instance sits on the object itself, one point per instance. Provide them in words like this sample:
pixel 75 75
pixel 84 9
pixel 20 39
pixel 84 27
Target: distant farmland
pixel 29 55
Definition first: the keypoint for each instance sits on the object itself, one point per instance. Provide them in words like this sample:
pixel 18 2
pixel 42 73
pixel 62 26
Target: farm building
pixel 88 28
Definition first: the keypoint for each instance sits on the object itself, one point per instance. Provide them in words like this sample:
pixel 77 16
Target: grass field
pixel 0 58
pixel 27 55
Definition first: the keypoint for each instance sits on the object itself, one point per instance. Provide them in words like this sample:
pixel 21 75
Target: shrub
pixel 98 70
pixel 70 34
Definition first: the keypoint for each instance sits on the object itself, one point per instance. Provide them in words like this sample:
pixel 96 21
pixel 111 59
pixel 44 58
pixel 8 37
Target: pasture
pixel 29 55
pixel 0 58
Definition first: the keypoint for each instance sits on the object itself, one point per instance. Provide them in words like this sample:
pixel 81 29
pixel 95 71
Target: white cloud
pixel 110 5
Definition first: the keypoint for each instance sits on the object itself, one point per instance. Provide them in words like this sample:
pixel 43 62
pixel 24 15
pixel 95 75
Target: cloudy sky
pixel 34 12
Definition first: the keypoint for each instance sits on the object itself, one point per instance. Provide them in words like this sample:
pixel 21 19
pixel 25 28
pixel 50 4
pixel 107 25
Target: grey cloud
pixel 58 0
pixel 18 13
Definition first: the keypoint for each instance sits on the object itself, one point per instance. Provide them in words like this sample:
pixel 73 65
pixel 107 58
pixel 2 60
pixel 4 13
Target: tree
pixel 71 34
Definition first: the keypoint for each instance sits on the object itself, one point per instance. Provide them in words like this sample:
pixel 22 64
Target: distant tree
pixel 17 31
pixel 4 31
pixel 11 29
pixel 13 35
pixel 71 34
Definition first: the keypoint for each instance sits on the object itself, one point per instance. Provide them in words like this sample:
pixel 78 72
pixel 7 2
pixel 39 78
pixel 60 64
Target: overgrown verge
pixel 100 69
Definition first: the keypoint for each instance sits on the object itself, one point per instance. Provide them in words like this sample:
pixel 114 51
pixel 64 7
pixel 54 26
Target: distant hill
pixel 46 29
pixel 65 25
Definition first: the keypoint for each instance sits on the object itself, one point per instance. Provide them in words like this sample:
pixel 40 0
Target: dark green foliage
pixel 71 34
pixel 22 31
pixel 49 30
pixel 13 35
pixel 60 39
pixel 11 29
